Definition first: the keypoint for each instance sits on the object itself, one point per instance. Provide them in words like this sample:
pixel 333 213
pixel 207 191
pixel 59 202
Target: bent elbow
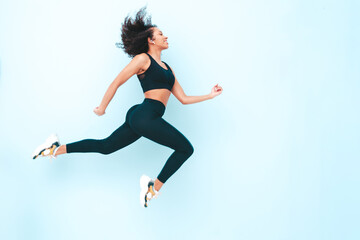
pixel 184 102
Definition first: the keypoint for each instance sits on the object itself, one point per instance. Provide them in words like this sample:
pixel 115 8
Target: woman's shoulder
pixel 142 57
pixel 142 61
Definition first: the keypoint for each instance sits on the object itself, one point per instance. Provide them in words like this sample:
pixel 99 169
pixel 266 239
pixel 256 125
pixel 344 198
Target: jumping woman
pixel 144 42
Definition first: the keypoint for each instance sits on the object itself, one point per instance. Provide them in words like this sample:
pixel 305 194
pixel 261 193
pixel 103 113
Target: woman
pixel 144 42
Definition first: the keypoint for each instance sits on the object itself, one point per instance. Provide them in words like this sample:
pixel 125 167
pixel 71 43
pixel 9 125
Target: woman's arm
pixel 184 99
pixel 132 68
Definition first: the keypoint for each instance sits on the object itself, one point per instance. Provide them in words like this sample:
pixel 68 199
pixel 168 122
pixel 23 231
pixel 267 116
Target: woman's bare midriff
pixel 161 95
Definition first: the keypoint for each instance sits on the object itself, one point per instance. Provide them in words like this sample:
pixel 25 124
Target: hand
pixel 99 111
pixel 216 91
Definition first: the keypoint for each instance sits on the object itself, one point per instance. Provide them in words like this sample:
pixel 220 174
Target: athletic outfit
pixel 146 120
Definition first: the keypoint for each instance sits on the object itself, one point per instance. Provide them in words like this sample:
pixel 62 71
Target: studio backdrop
pixel 276 154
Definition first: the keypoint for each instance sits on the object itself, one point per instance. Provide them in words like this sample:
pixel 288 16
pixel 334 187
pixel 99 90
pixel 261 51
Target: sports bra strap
pixel 167 66
pixel 149 56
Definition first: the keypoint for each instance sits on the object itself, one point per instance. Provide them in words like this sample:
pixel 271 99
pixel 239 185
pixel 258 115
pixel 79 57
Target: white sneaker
pixel 147 190
pixel 48 148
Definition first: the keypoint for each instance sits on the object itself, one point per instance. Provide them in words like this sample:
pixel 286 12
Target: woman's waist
pixel 149 109
pixel 161 95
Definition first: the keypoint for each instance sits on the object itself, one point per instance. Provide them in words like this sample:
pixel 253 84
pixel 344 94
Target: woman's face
pixel 159 39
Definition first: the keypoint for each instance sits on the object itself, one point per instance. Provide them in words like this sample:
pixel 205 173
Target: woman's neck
pixel 156 54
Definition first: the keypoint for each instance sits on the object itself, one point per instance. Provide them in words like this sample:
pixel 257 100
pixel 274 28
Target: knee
pixel 105 147
pixel 189 150
pixel 106 151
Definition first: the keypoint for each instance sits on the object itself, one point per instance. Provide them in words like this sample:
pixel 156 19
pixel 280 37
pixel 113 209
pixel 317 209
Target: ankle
pixel 60 150
pixel 157 185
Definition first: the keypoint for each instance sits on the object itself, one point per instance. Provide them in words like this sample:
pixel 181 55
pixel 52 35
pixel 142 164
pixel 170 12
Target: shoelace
pixel 52 156
pixel 151 196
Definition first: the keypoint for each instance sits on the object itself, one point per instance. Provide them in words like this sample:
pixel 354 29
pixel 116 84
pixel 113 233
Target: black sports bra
pixel 156 77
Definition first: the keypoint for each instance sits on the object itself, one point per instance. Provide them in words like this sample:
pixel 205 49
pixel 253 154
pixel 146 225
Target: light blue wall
pixel 276 155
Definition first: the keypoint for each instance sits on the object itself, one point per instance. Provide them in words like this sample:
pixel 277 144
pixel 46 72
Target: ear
pixel 150 41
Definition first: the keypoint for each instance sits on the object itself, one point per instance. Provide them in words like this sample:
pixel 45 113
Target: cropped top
pixel 156 77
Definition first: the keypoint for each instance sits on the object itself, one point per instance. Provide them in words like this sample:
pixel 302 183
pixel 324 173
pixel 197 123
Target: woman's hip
pixel 148 110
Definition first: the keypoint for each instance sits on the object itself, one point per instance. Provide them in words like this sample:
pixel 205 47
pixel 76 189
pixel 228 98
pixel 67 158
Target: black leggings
pixel 146 120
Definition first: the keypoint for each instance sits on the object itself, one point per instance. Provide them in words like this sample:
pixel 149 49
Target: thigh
pixel 162 132
pixel 122 137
